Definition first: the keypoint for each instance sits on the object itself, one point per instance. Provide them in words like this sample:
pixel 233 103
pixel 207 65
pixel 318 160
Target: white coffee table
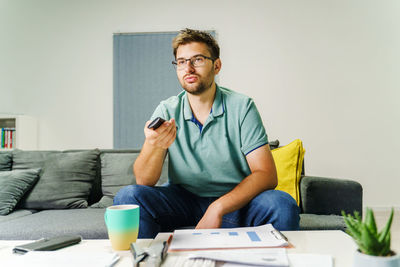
pixel 335 243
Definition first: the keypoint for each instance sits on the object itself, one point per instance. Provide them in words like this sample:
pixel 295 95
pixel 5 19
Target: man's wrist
pixel 218 207
pixel 153 147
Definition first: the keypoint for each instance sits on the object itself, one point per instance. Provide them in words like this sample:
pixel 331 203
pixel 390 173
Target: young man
pixel 221 171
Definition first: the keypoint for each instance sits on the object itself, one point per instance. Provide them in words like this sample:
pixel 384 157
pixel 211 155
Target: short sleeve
pixel 159 112
pixel 252 131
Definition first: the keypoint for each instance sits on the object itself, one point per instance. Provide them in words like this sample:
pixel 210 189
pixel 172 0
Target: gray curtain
pixel 143 76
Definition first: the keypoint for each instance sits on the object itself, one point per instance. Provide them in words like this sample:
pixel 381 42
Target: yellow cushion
pixel 289 160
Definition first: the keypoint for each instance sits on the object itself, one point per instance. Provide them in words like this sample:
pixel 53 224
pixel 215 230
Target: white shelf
pixel 25 130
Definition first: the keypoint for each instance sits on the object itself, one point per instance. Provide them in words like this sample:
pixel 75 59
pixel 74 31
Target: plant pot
pixel 364 260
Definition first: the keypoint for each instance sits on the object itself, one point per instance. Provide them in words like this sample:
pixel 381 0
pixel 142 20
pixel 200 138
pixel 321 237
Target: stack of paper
pixel 259 246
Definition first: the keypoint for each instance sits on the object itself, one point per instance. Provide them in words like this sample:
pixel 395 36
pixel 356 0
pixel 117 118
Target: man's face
pixel 196 80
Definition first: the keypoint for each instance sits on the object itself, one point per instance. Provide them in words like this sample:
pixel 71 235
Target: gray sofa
pixel 71 189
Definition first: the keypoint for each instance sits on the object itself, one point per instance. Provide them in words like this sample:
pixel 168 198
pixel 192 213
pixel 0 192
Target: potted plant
pixel 373 245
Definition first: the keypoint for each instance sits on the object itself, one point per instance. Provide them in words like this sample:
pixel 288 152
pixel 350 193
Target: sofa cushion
pixel 65 180
pixel 273 144
pixel 29 159
pixel 326 196
pixel 13 185
pixel 5 161
pixel 89 223
pixel 321 222
pixel 15 214
pixel 117 172
pixel 288 160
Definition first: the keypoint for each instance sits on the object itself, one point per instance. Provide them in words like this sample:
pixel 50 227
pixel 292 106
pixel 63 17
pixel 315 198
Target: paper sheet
pixel 61 258
pixel 241 237
pixel 271 257
pixel 295 260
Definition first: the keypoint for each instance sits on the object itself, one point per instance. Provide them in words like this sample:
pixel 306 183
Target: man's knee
pixel 282 208
pixel 128 195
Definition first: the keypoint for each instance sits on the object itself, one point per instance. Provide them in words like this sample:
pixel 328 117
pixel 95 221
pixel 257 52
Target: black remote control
pixel 157 122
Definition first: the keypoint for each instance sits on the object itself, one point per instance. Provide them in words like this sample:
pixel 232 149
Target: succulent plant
pixel 366 235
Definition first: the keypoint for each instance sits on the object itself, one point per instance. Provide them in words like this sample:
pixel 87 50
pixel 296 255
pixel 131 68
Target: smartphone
pixel 48 244
pixel 157 122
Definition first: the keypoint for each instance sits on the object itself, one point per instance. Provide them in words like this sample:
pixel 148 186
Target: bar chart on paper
pixel 242 237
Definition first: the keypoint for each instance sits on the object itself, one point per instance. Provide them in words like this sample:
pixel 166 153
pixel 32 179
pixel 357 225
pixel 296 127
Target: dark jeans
pixel 166 208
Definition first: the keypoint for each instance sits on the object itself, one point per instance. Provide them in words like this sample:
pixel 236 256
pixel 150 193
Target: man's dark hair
pixel 187 36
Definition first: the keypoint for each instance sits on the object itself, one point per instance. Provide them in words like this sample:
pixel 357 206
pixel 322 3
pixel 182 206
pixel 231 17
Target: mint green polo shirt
pixel 209 161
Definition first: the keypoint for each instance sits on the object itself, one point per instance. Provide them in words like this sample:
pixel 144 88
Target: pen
pixel 276 232
pixel 284 237
pixel 165 248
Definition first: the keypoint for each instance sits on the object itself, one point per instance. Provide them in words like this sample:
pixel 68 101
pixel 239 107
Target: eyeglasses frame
pixel 190 60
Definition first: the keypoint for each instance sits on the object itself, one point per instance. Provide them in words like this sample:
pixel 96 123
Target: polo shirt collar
pixel 217 107
pixel 187 111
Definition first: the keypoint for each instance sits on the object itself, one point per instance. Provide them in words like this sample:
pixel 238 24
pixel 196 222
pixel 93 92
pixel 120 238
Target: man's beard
pixel 199 89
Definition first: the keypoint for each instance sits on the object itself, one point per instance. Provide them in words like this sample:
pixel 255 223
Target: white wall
pixel 326 72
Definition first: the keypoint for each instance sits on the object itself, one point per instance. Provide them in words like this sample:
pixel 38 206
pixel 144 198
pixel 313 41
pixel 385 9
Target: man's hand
pixel 163 136
pixel 212 218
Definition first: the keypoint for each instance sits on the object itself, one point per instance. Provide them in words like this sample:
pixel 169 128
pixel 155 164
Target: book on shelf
pixel 7 138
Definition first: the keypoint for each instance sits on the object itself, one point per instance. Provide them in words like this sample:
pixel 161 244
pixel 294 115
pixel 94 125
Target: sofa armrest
pixel 326 196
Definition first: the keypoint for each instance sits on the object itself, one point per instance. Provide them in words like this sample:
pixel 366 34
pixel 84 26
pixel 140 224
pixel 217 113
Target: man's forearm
pixel 148 165
pixel 244 192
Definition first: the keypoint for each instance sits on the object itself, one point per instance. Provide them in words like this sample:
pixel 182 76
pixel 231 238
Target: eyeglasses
pixel 196 61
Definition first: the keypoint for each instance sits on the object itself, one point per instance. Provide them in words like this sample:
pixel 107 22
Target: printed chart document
pixel 271 257
pixel 223 238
